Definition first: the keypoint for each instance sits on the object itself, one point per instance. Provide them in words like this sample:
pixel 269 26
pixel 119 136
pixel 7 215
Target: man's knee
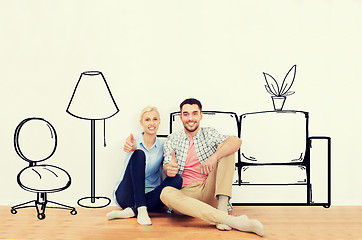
pixel 165 193
pixel 230 158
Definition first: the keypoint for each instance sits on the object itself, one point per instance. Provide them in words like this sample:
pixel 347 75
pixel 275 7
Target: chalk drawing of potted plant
pixel 279 91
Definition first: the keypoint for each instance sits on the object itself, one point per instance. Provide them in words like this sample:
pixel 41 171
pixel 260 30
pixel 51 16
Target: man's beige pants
pixel 199 199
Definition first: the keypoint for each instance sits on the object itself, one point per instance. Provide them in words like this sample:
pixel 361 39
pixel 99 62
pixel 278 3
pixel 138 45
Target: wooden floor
pixel 280 223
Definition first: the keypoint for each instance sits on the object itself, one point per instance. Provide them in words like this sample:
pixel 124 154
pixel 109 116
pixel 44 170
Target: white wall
pixel 160 52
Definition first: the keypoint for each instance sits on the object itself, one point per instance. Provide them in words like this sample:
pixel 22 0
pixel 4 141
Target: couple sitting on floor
pixel 199 164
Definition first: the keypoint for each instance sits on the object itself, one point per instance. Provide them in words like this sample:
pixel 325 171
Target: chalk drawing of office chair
pixel 35 140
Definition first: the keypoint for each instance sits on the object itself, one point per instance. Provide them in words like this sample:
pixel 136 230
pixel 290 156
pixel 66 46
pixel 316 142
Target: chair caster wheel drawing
pixel 13 211
pixel 326 206
pixel 73 212
pixel 41 216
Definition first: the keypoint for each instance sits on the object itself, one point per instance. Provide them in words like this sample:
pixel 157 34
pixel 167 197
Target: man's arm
pixel 170 166
pixel 228 147
pixel 167 148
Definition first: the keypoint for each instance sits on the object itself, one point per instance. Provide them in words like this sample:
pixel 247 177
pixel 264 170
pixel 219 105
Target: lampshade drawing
pixel 92 100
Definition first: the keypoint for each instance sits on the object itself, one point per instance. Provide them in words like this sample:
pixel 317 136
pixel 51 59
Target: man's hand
pixel 171 167
pixel 130 144
pixel 209 165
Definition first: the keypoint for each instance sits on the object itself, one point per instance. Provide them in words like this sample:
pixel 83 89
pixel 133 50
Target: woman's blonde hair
pixel 148 109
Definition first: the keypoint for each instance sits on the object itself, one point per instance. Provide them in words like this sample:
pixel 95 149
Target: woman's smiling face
pixel 150 122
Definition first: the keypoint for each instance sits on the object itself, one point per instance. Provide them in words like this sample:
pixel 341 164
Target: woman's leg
pixel 153 200
pixel 130 193
pixel 124 197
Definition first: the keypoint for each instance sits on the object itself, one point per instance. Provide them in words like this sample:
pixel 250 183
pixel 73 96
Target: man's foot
pixel 222 205
pixel 223 227
pixel 243 223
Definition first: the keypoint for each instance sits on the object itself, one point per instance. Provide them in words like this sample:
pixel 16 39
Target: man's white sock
pixel 243 223
pixel 223 206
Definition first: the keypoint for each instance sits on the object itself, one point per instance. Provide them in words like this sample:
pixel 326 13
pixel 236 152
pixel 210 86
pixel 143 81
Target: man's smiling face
pixel 191 116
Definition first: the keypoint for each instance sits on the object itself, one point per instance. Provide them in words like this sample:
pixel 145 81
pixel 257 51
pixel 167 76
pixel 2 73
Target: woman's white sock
pixel 142 216
pixel 126 213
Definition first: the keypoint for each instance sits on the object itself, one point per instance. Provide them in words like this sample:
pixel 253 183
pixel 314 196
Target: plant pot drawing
pixel 278 102
pixel 280 91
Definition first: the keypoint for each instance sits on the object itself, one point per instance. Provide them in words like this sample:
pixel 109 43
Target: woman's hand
pixel 130 144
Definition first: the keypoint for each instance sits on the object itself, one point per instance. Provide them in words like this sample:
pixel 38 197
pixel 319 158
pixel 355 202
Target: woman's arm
pixel 130 144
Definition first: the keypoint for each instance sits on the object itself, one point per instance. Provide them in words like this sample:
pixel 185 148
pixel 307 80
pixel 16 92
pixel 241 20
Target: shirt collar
pixel 184 135
pixel 197 136
pixel 142 141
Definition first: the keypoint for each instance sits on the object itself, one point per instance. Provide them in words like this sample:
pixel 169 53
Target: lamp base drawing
pixel 94 202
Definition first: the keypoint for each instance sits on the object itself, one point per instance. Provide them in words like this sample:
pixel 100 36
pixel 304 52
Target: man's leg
pixel 188 205
pixel 218 186
pixel 179 201
pixel 153 198
pixel 199 199
pixel 219 182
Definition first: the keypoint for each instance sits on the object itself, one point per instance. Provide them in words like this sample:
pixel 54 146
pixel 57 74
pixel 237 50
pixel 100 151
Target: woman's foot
pixel 126 213
pixel 142 216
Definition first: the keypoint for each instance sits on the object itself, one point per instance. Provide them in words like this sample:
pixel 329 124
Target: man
pixel 205 160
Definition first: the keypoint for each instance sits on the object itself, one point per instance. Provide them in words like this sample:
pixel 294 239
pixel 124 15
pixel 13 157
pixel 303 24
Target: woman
pixel 140 186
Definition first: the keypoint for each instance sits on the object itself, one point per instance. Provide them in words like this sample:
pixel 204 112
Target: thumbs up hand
pixel 171 167
pixel 173 157
pixel 130 144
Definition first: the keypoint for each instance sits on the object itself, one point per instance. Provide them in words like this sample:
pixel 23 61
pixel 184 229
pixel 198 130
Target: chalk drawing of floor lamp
pixel 92 100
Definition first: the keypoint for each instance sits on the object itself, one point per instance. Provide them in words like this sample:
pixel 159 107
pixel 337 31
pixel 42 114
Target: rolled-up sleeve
pixel 167 147
pixel 214 137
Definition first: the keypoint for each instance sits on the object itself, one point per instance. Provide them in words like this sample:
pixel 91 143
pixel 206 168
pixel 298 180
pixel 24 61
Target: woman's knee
pixel 138 156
